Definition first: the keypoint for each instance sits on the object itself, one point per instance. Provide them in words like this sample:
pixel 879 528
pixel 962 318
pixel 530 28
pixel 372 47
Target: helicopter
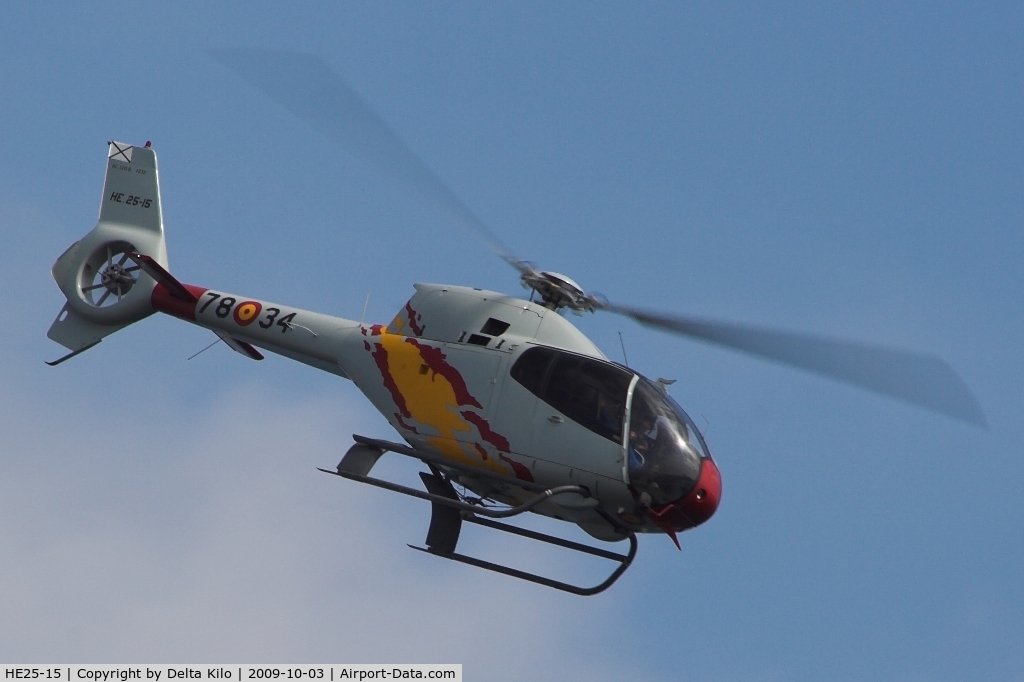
pixel 510 407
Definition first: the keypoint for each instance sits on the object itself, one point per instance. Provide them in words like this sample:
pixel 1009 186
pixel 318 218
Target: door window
pixel 589 391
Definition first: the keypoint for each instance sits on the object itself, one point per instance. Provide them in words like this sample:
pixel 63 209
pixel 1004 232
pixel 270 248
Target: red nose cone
pixel 698 506
pixel 703 500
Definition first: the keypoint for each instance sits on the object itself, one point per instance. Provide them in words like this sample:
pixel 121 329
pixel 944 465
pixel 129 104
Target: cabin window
pixel 532 367
pixel 588 391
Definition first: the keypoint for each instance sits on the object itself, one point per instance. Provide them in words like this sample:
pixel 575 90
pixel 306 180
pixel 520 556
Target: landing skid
pixel 448 511
pixel 624 559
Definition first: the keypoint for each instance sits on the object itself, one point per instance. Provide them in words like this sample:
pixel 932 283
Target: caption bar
pixel 232 673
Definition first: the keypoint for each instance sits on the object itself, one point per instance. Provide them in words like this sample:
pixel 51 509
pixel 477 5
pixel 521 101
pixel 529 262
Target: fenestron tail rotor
pixel 307 87
pixel 108 274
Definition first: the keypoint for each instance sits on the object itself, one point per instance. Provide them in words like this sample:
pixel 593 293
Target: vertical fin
pixel 131 191
pixel 105 291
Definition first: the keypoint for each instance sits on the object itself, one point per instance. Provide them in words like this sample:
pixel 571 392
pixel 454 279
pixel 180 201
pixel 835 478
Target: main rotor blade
pixel 307 87
pixel 916 378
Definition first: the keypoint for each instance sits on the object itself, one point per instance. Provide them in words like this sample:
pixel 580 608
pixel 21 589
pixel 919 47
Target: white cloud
pixel 212 538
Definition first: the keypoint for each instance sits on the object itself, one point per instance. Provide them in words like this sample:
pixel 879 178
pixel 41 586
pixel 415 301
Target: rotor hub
pixel 115 277
pixel 557 291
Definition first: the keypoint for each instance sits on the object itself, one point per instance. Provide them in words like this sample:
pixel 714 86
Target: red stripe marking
pixel 380 356
pixel 413 323
pixel 436 361
pixel 407 427
pixel 522 473
pixel 496 439
pixel 480 449
pixel 166 303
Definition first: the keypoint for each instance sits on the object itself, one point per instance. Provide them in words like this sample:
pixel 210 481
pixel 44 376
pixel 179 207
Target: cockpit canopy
pixel 664 446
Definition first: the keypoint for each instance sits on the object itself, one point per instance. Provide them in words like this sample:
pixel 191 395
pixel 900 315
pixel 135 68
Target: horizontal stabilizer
pixel 246 349
pixel 54 363
pixel 78 334
pixel 160 274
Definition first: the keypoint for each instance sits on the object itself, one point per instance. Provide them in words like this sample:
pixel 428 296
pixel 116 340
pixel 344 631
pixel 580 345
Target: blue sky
pixel 845 171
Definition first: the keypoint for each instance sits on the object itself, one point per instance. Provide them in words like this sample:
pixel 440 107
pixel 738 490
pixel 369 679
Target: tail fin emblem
pixel 119 151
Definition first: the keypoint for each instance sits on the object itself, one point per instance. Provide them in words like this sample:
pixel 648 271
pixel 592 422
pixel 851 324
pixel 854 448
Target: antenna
pixel 208 347
pixel 623 344
pixel 708 429
pixel 365 303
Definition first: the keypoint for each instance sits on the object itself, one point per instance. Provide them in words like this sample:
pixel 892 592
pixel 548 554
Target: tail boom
pixel 244 324
pixel 118 274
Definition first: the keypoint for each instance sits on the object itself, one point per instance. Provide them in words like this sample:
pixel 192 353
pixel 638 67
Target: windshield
pixel 665 447
pixel 696 438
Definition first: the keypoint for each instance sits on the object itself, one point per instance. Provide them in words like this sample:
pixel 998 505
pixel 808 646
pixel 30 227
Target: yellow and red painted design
pixel 415 320
pixel 247 311
pixel 430 392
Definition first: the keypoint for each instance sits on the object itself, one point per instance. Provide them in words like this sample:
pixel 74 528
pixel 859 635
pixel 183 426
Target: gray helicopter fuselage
pixel 486 382
pixel 440 374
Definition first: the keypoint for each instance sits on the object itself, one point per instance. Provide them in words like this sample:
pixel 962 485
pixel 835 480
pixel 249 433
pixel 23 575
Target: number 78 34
pixel 227 303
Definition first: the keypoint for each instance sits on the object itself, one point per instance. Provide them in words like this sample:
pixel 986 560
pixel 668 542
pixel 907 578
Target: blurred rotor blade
pixel 916 378
pixel 307 87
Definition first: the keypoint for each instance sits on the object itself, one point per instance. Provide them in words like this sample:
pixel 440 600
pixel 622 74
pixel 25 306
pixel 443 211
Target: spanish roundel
pixel 246 312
